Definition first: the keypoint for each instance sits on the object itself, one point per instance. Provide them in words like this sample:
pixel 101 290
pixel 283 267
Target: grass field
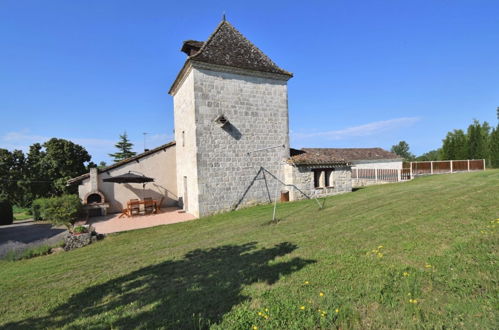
pixel 21 213
pixel 421 254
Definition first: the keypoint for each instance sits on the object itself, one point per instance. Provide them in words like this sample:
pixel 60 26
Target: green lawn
pixel 421 254
pixel 21 213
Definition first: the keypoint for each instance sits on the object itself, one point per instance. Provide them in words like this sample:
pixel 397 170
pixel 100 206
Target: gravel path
pixel 21 236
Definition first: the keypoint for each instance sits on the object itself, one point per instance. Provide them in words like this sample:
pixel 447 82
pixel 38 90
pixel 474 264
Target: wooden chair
pixel 158 206
pixel 148 205
pixel 134 206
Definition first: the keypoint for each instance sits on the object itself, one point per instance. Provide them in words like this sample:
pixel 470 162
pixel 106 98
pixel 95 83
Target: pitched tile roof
pixel 123 162
pixel 321 155
pixel 314 157
pixel 227 46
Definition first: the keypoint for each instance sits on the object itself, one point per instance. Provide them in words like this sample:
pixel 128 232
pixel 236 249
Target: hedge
pixel 63 210
pixel 6 213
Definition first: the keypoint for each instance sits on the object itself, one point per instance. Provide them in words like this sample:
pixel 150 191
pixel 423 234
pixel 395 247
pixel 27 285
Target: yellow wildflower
pixel 255 327
pixel 405 274
pixel 306 282
pixel 380 247
pixel 260 313
pixel 380 255
pixel 266 309
pixel 337 310
pixel 302 307
pixel 427 266
pixel 321 294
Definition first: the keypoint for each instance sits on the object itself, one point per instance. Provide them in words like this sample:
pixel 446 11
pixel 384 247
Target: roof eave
pixel 123 162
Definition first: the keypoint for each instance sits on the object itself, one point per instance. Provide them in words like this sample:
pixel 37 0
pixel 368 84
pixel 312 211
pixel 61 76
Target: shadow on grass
pixel 193 292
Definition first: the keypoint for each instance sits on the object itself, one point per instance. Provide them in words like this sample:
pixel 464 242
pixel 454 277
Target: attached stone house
pixel 231 121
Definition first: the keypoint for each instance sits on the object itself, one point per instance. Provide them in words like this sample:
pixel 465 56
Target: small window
pixel 317 178
pixel 329 178
pixel 183 138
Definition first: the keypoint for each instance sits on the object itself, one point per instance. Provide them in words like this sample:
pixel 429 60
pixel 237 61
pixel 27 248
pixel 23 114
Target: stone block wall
pixel 214 157
pixel 302 178
pixel 257 112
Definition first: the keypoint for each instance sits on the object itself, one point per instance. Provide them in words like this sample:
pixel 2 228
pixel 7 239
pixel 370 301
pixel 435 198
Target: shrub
pixel 80 230
pixel 6 214
pixel 63 210
pixel 38 207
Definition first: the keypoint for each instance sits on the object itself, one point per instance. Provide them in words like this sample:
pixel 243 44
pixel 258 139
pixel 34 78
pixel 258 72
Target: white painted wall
pixel 161 166
pixel 184 104
pixel 382 164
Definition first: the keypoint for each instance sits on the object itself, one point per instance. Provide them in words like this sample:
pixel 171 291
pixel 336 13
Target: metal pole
pixel 275 201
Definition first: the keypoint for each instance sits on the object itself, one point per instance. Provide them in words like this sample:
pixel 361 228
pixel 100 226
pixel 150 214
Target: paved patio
pixel 113 224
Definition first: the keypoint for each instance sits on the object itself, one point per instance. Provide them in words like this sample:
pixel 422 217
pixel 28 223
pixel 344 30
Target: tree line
pixel 45 169
pixel 479 141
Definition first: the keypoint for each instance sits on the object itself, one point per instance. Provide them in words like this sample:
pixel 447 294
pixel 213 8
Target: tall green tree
pixel 124 147
pixel 478 135
pixel 11 173
pixel 43 172
pixel 455 145
pixel 494 147
pixel 402 149
pixel 62 161
pixel 431 155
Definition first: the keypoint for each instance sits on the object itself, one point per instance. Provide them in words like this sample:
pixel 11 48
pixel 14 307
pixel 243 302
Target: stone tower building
pixel 230 99
pixel 231 143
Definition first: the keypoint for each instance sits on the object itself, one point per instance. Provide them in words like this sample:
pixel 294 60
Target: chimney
pixel 191 47
pixel 94 180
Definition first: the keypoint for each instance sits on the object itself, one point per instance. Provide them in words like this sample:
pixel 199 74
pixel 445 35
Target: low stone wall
pixel 75 241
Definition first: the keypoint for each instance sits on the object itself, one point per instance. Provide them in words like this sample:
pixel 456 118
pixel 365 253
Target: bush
pixel 63 210
pixel 80 230
pixel 6 214
pixel 37 208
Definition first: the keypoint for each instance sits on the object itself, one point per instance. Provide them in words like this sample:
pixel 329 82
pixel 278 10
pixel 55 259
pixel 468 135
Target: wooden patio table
pixel 128 211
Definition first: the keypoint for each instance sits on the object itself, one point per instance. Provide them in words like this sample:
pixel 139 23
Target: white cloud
pixel 361 130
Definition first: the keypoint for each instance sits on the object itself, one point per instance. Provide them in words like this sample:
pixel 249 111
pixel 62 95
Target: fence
pixel 380 175
pixel 444 166
pixel 368 176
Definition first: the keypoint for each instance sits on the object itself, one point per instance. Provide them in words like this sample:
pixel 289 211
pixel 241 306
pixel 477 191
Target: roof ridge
pixel 207 40
pixel 227 23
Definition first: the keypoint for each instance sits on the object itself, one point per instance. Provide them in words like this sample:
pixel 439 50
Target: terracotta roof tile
pixel 314 157
pixel 321 155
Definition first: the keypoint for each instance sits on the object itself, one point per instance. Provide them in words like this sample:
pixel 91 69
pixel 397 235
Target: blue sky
pixel 367 73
